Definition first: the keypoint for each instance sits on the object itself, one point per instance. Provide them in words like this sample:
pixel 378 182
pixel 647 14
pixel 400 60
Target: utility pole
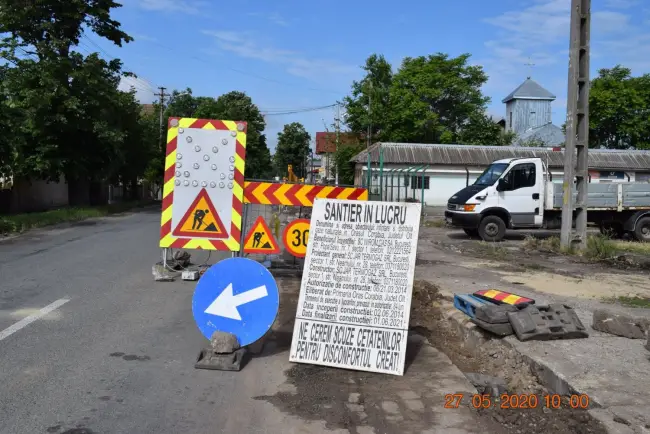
pixel 577 127
pixel 338 132
pixel 161 94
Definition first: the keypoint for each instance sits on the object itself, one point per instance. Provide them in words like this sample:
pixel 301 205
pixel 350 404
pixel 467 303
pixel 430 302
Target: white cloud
pixel 244 45
pixel 144 91
pixel 541 32
pixel 184 6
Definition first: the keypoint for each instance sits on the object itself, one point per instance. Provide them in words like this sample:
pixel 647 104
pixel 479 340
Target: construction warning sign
pixel 201 220
pixel 260 239
pixel 203 191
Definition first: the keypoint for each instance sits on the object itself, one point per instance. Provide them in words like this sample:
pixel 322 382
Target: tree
pixel 292 148
pixel 430 99
pixel 480 129
pixel 342 163
pixel 369 103
pixel 237 106
pixel 619 110
pixel 435 97
pixel 65 101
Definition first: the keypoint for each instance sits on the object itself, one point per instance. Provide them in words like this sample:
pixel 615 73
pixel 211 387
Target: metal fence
pixel 405 184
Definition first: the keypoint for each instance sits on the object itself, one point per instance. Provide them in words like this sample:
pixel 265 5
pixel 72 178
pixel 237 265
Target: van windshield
pixel 491 174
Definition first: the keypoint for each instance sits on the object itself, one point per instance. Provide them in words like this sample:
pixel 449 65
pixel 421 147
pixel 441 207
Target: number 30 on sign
pixel 296 236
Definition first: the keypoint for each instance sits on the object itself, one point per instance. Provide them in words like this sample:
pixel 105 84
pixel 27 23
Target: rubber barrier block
pixel 467 303
pixel 501 329
pixel 502 297
pixel 543 323
pixel 495 314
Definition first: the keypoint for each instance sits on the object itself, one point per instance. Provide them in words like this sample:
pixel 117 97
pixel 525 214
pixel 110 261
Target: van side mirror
pixel 502 185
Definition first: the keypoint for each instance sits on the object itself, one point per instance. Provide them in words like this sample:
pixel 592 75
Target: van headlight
pixel 469 207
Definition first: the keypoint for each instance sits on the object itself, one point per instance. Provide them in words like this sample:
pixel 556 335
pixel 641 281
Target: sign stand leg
pixel 164 258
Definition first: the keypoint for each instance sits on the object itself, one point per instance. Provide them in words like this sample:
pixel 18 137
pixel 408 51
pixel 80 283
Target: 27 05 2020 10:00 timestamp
pixel 514 401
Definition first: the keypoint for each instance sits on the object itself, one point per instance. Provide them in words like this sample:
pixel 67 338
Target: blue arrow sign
pixel 237 296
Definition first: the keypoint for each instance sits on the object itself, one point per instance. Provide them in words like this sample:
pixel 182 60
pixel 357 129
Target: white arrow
pixel 226 303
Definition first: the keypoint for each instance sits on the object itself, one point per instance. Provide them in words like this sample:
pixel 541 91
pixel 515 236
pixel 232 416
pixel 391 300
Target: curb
pixel 474 337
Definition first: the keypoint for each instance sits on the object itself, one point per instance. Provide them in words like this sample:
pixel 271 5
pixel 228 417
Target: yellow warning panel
pixel 260 239
pixel 201 220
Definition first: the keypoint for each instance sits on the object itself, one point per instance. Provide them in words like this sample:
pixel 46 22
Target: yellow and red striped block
pixel 278 193
pixel 166 238
pixel 502 297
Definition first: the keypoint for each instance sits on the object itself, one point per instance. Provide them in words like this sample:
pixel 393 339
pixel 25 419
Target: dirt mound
pixel 425 304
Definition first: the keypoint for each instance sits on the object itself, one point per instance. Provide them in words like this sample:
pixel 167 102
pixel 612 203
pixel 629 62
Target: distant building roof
pixel 467 155
pixel 549 134
pixel 529 89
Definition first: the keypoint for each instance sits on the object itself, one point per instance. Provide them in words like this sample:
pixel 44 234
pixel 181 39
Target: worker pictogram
pixel 201 220
pixel 260 239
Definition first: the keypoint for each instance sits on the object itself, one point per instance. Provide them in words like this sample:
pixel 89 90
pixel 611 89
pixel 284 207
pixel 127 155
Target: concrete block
pixel 498 329
pixel 208 359
pixel 619 325
pixel 494 314
pixel 224 343
pixel 160 274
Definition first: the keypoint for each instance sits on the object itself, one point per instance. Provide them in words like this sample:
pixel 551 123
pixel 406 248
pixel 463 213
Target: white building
pixel 444 169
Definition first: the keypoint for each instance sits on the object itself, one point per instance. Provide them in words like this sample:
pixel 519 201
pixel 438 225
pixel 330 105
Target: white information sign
pixel 355 298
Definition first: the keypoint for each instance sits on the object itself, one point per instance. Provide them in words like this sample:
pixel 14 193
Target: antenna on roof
pixel 531 65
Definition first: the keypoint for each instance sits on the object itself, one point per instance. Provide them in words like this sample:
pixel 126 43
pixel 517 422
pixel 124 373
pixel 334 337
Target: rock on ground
pixel 619 325
pixel 224 343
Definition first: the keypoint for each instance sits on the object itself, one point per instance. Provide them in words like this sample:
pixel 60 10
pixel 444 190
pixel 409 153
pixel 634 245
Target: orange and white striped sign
pixel 198 171
pixel 502 297
pixel 278 193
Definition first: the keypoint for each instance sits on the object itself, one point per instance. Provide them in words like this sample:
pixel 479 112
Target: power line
pixel 295 111
pixel 250 74
pixel 107 54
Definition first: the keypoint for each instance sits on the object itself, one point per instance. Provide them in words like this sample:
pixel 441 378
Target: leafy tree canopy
pixel 429 99
pixel 292 148
pixel 619 110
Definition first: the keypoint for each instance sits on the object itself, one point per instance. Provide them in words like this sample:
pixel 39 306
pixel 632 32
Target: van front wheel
pixel 492 228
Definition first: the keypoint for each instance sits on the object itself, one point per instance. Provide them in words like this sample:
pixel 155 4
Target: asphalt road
pixel 118 356
pixel 90 344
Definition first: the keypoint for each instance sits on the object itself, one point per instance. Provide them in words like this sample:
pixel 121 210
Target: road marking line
pixel 31 318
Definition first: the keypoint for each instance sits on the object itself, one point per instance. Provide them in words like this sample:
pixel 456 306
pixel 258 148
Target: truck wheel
pixel 492 228
pixel 472 233
pixel 642 230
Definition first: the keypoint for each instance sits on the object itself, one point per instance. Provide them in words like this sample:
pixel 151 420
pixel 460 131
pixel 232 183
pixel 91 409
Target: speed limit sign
pixel 296 236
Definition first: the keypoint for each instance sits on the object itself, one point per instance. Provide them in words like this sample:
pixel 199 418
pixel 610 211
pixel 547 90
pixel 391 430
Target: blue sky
pixel 297 54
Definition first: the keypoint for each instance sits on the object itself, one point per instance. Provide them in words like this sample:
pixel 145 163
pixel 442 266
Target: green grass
pixel 642 302
pixel 17 223
pixel 493 249
pixel 437 223
pixel 599 247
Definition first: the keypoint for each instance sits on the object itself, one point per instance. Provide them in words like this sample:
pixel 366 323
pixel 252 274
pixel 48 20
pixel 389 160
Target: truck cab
pixel 509 194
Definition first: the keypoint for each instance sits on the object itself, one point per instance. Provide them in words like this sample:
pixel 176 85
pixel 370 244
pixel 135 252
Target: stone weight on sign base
pixel 224 343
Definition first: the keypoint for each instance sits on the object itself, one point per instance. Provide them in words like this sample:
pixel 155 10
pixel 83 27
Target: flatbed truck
pixel 519 193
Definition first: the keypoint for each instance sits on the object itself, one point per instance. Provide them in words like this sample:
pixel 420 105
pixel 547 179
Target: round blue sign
pixel 237 296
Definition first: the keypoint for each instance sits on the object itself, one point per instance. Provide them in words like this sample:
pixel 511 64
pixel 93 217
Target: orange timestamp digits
pixel 516 401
